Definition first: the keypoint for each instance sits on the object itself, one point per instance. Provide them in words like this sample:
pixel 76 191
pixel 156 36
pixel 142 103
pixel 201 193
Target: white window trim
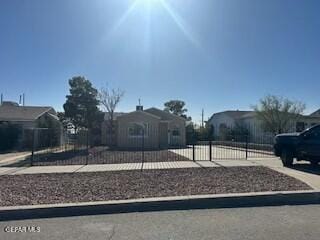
pixel 146 133
pixel 179 131
pixel 175 136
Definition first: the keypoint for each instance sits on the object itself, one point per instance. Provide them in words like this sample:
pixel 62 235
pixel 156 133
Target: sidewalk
pixel 123 166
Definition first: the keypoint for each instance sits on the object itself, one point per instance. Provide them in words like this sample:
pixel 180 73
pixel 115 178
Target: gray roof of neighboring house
pixel 115 115
pixel 315 114
pixel 22 113
pixel 251 114
pixel 234 114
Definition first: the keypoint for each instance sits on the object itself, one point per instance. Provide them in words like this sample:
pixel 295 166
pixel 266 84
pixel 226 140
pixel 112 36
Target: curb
pixel 258 199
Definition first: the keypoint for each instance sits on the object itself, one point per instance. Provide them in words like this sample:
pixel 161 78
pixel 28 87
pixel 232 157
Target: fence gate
pixel 230 149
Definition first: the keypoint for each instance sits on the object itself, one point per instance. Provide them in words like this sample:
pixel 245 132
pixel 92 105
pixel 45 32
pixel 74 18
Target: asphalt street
pixel 285 223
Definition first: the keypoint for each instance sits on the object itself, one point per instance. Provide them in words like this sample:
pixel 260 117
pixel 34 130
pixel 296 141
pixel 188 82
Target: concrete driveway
pixel 301 170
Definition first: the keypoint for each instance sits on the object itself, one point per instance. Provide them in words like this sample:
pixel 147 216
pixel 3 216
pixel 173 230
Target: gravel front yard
pixel 84 187
pixel 98 155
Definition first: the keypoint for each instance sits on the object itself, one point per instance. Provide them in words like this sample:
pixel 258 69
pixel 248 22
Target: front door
pixel 163 135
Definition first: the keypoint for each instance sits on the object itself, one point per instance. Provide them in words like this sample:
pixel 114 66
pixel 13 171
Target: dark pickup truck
pixel 302 146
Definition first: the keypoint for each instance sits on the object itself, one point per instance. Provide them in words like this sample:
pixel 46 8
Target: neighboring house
pixel 315 114
pixel 248 119
pixel 28 117
pixel 150 129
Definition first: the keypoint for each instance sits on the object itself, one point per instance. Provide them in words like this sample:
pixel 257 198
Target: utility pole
pixel 202 116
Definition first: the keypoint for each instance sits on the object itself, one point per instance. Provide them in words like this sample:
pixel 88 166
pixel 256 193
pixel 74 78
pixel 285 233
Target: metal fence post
pixel 32 148
pixel 87 158
pixel 210 150
pixel 142 149
pixel 246 146
pixel 193 152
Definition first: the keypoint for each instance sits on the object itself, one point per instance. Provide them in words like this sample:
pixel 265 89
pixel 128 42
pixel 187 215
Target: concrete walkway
pixel 13 157
pixel 312 178
pixel 122 167
pixel 9 158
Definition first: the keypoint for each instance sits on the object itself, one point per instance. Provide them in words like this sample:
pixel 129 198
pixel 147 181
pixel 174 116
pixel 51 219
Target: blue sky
pixel 213 54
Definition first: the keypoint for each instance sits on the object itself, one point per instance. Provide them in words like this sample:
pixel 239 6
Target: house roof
pixel 315 114
pixel 236 114
pixel 152 112
pixel 115 115
pixel 251 114
pixel 140 112
pixel 22 113
pixel 164 115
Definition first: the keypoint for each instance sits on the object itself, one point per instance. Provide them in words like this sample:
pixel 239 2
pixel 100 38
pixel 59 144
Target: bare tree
pixel 109 99
pixel 278 113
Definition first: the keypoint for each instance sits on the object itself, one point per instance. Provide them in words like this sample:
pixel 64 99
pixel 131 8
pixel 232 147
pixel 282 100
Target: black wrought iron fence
pixel 51 148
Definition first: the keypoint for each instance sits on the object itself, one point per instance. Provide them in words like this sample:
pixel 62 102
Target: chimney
pixel 139 108
pixel 1 99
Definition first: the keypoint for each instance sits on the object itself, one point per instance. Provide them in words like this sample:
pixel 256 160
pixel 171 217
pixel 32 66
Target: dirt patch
pixel 99 186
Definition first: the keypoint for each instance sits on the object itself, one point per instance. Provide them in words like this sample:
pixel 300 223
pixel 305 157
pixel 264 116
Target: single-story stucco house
pixel 150 129
pixel 29 117
pixel 229 119
pixel 26 116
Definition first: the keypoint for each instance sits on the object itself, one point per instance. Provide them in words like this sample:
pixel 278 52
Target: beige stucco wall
pixel 150 141
pixel 177 140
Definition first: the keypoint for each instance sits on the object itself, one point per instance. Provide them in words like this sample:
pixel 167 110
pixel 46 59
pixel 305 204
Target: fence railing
pixel 77 149
pixel 55 147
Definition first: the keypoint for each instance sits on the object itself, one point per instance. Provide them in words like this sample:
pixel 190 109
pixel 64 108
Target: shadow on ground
pixel 52 158
pixel 97 155
pixel 308 168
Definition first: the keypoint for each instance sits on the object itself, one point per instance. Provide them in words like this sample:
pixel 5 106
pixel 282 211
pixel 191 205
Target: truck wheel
pixel 287 157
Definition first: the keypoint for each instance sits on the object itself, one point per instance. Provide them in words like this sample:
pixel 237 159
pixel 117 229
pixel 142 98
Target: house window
pixel 138 130
pixel 300 126
pixel 175 132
